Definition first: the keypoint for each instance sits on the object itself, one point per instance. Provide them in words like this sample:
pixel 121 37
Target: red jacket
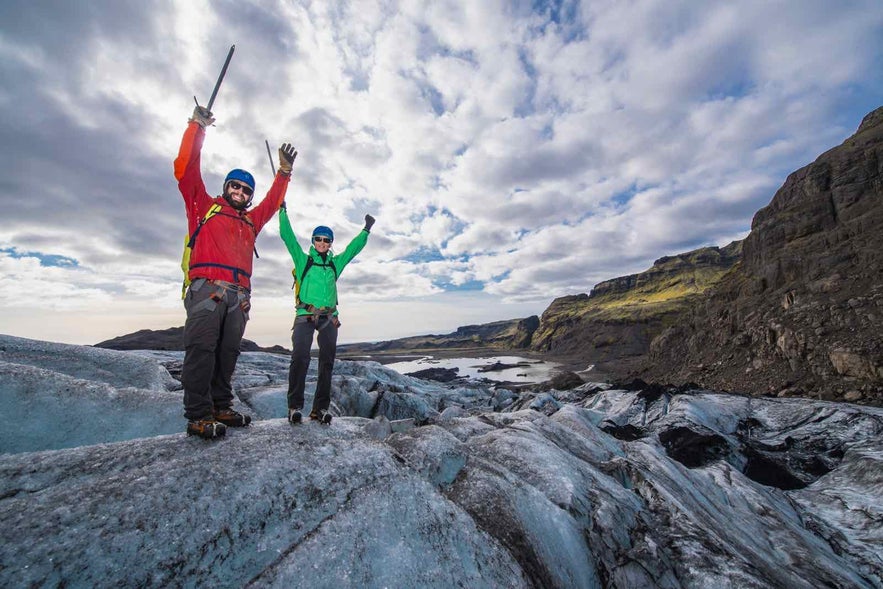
pixel 224 249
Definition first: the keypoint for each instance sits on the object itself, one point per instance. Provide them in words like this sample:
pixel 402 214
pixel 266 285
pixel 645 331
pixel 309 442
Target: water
pixel 528 371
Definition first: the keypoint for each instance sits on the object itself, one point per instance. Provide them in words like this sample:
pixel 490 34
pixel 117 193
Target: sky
pixel 511 151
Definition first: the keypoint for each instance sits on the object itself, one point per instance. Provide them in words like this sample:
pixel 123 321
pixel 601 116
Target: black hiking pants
pixel 212 333
pixel 302 340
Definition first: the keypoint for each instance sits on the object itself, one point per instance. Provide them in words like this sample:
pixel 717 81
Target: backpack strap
pixel 310 263
pixel 190 241
pixel 307 266
pixel 212 211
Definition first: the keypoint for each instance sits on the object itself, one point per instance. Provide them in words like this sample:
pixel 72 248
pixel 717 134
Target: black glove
pixel 202 116
pixel 369 222
pixel 283 206
pixel 286 158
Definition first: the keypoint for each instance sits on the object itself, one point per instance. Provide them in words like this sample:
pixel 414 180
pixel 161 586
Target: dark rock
pixel 175 368
pixel 634 385
pixel 436 374
pixel 499 366
pixel 564 381
pixel 766 470
pixel 627 432
pixel 693 448
pixel 649 392
pixel 652 392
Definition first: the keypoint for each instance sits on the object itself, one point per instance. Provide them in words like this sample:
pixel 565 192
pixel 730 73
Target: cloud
pixel 509 150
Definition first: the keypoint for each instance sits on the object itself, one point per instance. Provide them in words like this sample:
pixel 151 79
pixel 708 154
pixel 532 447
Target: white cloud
pixel 493 145
pixel 50 288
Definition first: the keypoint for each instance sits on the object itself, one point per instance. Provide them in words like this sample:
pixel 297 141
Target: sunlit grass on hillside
pixel 666 289
pixel 657 295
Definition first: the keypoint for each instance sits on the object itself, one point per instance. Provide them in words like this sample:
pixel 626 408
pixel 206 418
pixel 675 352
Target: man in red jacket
pixel 222 238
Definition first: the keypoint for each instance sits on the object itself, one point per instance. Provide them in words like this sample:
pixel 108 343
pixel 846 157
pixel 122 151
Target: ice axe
pixel 270 155
pixel 211 100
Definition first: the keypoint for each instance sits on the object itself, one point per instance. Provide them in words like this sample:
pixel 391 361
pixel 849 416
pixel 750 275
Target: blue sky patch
pixel 525 106
pixel 469 285
pixel 731 88
pixel 564 14
pixel 434 97
pixel 559 11
pixel 620 199
pixel 48 260
pixel 424 255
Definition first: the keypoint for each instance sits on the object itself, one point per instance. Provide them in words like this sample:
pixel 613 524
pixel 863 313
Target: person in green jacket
pixel 316 275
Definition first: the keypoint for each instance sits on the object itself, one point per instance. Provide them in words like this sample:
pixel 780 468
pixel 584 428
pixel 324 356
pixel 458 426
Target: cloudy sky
pixel 511 151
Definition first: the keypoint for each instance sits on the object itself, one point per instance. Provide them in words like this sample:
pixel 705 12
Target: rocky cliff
pixel 614 325
pixel 802 314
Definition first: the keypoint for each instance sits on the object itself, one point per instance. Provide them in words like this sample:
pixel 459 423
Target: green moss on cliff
pixel 657 295
pixel 653 299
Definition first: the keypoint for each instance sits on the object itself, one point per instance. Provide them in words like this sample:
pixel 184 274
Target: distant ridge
pixel 171 339
pixel 509 334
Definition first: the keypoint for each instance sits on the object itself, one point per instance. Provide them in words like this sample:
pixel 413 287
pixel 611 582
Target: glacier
pixel 419 484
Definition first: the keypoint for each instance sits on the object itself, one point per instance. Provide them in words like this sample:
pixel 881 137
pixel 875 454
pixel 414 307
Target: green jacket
pixel 319 287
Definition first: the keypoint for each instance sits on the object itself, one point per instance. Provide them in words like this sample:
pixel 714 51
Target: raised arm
pixel 276 195
pixel 187 167
pixel 354 247
pixel 298 255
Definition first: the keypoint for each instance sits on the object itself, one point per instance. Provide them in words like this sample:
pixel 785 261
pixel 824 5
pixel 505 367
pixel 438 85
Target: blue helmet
pixel 324 231
pixel 243 177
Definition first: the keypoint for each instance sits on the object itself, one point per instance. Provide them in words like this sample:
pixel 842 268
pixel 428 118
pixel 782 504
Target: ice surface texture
pixel 594 494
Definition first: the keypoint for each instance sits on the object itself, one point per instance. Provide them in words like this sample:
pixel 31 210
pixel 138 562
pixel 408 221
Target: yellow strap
pixel 212 210
pixel 185 258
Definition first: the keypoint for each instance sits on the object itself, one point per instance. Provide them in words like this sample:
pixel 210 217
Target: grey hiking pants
pixel 302 341
pixel 216 318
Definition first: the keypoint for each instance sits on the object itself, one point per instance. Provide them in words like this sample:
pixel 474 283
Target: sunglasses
pixel 237 186
pixel 321 240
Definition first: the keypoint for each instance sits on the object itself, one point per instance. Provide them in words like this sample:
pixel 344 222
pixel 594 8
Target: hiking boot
pixel 322 416
pixel 206 428
pixel 232 418
pixel 295 416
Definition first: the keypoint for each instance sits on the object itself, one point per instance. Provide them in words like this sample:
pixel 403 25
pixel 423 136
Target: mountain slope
pixel 802 314
pixel 614 325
